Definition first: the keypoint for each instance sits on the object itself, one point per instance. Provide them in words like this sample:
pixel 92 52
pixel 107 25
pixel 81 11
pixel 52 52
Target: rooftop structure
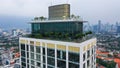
pixel 62 26
pixel 59 12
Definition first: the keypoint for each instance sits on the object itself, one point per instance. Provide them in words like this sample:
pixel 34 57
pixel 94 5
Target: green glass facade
pixel 62 27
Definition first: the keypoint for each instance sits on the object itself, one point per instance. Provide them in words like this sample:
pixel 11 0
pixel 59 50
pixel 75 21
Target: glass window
pixel 51 61
pixel 27 65
pixel 71 65
pixel 32 67
pixel 51 52
pixel 22 46
pixel 44 66
pixel 50 67
pixel 61 64
pixel 74 57
pixel 84 56
pixel 32 62
pixel 38 58
pixel 23 59
pixel 44 59
pixel 38 64
pixel 23 53
pixel 23 67
pixel 27 47
pixel 43 51
pixel 28 61
pixel 27 54
pixel 38 49
pixel 67 27
pixel 32 55
pixel 88 53
pixel 24 64
pixel 31 48
pixel 84 65
pixel 61 54
pixel 88 63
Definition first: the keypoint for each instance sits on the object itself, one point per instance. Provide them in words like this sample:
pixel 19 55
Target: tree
pixel 38 36
pixel 41 18
pixel 111 64
pixel 36 18
pixel 72 16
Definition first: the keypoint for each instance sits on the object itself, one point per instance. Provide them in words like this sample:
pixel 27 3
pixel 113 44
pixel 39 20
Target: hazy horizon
pixel 16 13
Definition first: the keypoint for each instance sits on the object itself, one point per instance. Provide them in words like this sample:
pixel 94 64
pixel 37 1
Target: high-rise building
pixel 118 29
pixel 48 52
pixel 59 12
pixel 99 26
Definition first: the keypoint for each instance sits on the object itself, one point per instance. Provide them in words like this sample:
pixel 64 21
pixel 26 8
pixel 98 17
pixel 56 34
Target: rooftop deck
pixel 59 38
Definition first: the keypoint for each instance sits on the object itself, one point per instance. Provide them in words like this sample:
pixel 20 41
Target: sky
pixel 22 11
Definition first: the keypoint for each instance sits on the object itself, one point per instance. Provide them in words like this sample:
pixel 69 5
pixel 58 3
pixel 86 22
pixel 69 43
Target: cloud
pixel 23 7
pixel 88 9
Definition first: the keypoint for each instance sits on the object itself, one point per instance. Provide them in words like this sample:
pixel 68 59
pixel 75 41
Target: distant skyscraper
pixel 99 26
pixel 95 29
pixel 59 12
pixel 118 29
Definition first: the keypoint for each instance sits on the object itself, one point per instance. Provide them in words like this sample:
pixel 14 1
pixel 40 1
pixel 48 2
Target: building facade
pixel 43 53
pixel 62 26
pixel 59 12
pixel 40 53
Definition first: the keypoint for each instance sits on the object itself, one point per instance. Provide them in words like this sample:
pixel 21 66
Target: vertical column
pixel 81 57
pixel 46 53
pixel 29 54
pixel 55 56
pixel 26 53
pixel 35 54
pixel 67 57
pixel 41 55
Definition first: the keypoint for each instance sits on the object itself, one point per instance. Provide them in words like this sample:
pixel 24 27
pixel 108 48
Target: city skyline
pixel 59 34
pixel 90 10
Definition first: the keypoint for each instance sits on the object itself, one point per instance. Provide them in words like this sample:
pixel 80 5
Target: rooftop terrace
pixel 63 37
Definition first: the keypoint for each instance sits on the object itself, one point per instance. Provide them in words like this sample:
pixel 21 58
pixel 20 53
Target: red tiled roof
pixel 119 65
pixel 109 59
pixel 102 67
pixel 99 52
pixel 117 61
pixel 17 54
